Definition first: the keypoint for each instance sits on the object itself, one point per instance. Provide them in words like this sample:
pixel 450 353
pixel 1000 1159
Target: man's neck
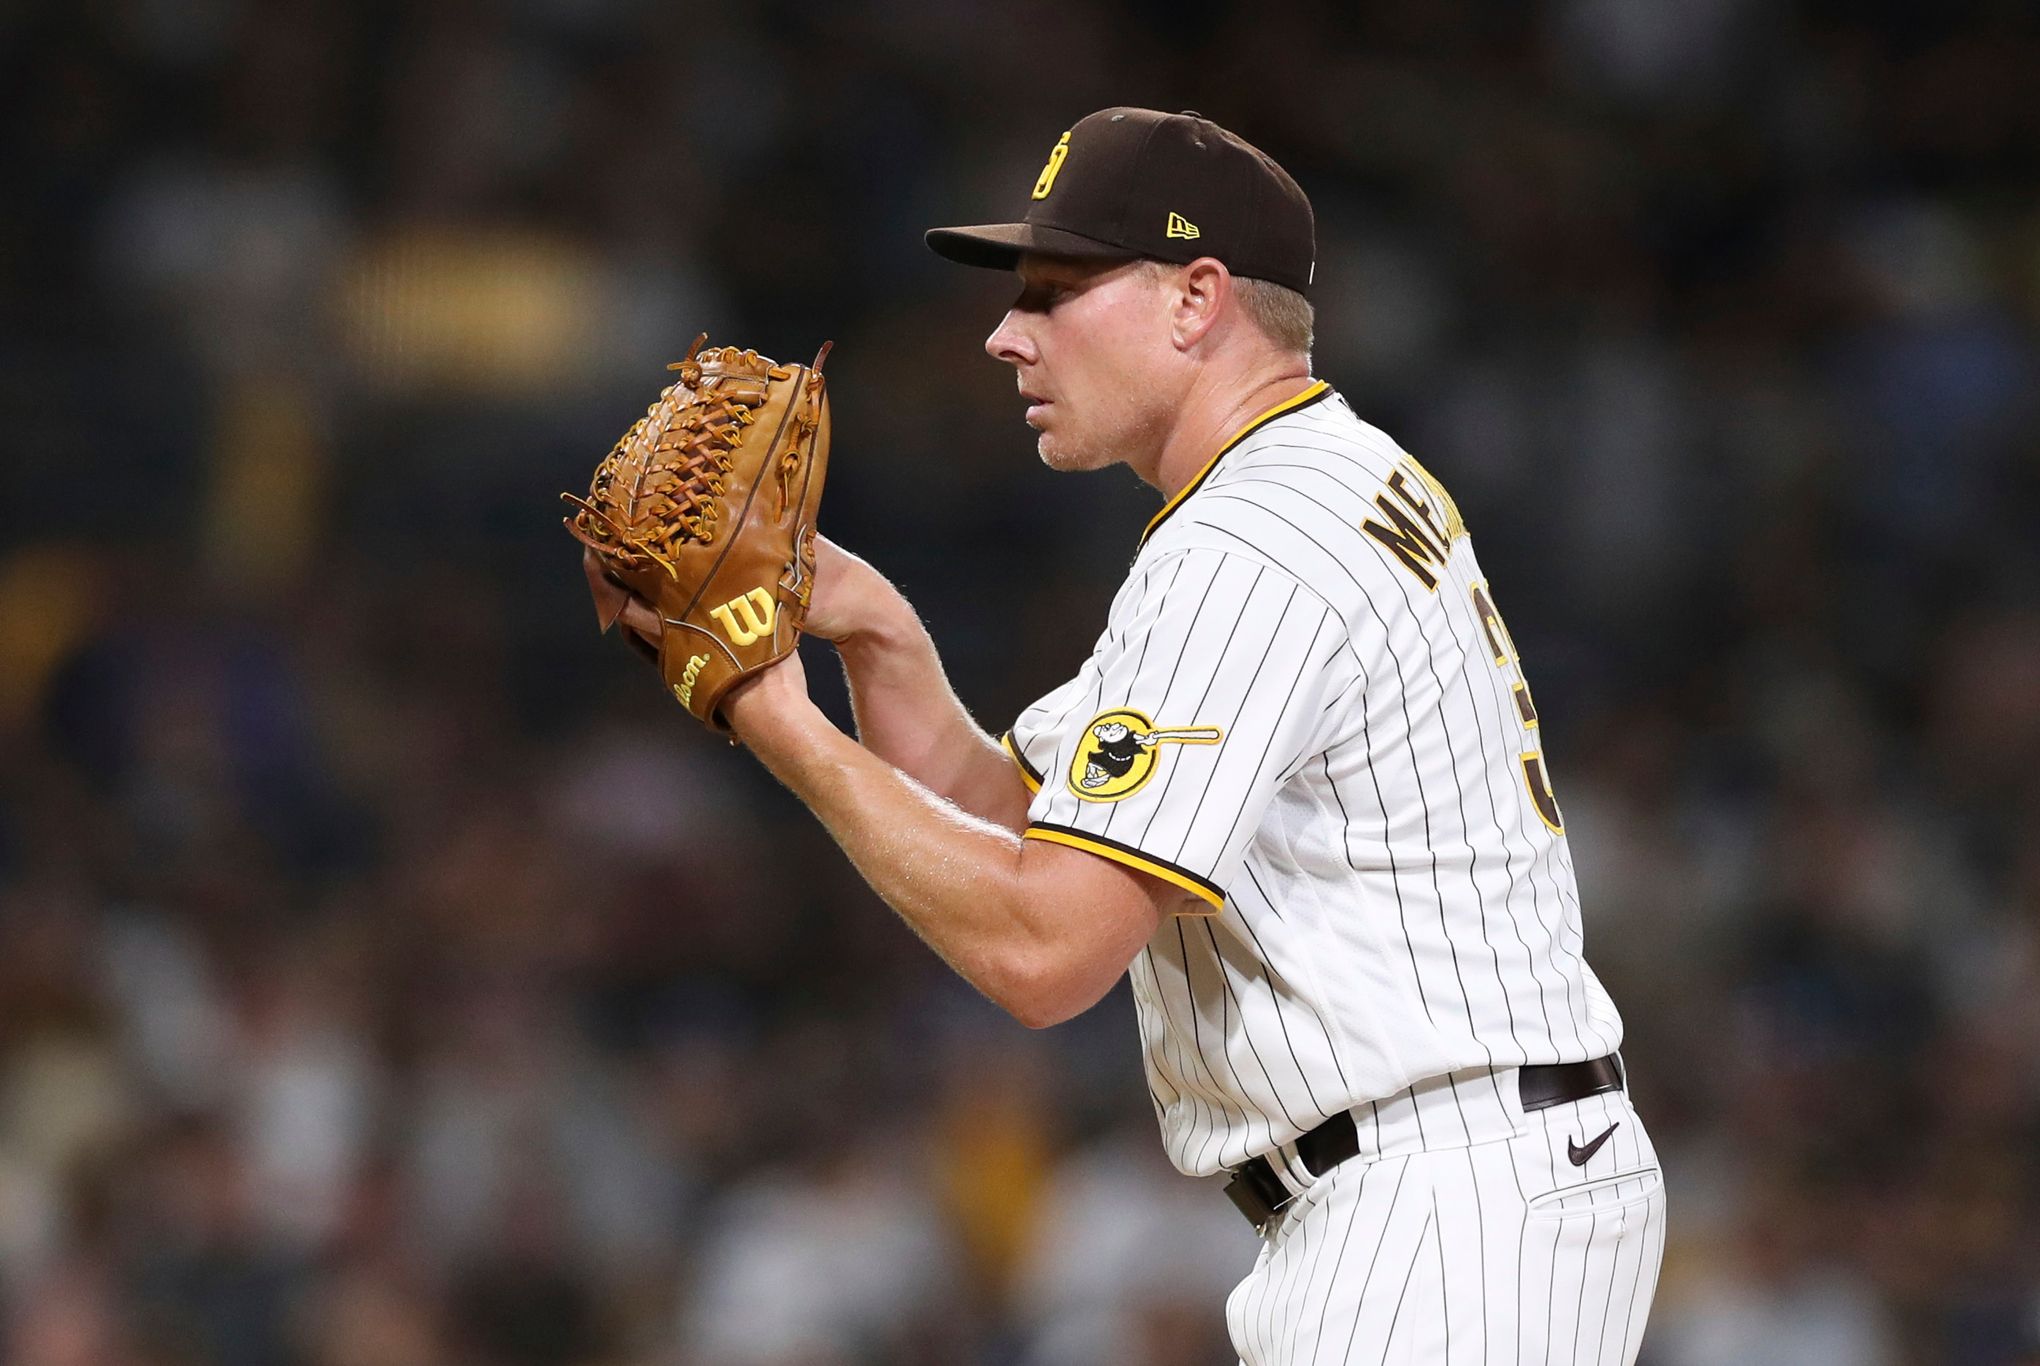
pixel 1215 412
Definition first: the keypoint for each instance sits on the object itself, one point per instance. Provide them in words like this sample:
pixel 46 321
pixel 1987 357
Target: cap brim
pixel 997 246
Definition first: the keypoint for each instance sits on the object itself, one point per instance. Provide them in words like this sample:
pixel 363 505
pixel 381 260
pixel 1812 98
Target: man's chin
pixel 1061 455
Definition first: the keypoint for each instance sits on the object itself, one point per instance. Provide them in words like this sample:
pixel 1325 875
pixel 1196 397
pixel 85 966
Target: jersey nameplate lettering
pixel 1421 526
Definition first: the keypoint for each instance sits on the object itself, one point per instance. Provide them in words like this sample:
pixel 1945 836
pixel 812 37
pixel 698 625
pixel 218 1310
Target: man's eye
pixel 1044 297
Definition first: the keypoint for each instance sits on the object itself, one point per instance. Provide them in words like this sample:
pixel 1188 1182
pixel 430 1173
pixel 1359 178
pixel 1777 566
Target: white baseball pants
pixel 1464 1232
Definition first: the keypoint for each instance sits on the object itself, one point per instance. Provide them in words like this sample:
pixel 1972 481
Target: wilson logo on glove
pixel 712 491
pixel 684 689
pixel 756 609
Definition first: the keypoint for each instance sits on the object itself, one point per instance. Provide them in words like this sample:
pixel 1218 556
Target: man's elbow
pixel 1084 919
pixel 1045 989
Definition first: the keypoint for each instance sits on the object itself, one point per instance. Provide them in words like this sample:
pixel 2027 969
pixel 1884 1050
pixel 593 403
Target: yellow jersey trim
pixel 1288 405
pixel 1134 859
pixel 1027 773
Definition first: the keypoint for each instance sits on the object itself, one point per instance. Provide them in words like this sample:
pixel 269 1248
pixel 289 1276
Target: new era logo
pixel 1179 226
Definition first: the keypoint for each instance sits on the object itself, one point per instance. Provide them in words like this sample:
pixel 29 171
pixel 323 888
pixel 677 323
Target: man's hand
pixel 772 709
pixel 850 597
pixel 766 708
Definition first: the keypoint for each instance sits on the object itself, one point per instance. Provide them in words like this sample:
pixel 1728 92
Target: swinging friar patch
pixel 1121 750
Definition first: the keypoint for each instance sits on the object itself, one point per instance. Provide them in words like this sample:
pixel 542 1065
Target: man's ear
pixel 1201 291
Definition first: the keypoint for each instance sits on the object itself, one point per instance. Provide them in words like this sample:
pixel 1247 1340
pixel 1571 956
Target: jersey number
pixel 1503 648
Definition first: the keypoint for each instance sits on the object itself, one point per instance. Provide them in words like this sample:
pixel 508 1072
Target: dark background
pixel 390 976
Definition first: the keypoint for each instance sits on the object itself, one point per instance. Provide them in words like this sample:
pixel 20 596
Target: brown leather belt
pixel 1261 1196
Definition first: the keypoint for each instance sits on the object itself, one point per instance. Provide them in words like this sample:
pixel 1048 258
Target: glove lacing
pixel 677 493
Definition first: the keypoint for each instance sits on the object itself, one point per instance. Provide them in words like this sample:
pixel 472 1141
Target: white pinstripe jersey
pixel 1305 710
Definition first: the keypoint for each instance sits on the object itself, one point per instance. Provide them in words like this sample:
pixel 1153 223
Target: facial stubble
pixel 1132 436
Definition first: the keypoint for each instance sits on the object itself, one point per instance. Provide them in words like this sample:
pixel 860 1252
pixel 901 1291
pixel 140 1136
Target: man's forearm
pixel 908 715
pixel 953 877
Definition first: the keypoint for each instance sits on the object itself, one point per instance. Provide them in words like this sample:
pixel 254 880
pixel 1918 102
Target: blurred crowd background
pixel 391 976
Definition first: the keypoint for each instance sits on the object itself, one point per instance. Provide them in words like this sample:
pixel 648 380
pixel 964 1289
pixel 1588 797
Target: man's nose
pixel 1010 343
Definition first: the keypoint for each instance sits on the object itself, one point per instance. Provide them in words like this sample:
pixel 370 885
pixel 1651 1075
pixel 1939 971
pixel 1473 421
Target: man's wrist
pixel 772 715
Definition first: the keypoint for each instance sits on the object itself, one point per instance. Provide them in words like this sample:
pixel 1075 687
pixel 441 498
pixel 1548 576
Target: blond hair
pixel 1283 316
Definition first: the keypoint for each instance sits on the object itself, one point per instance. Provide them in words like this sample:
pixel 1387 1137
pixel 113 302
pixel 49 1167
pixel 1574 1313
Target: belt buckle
pixel 1258 1194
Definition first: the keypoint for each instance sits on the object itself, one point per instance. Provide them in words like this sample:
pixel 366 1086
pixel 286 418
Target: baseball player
pixel 1297 794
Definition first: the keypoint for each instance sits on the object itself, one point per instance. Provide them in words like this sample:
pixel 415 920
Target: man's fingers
pixel 846 593
pixel 642 629
pixel 827 552
pixel 639 616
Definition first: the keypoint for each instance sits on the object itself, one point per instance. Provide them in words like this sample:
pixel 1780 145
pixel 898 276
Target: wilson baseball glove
pixel 706 511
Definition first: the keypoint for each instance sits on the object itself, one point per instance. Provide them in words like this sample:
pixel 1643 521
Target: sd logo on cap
pixel 1126 182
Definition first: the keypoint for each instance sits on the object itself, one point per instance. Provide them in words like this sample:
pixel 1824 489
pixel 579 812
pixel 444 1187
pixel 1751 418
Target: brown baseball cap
pixel 1128 182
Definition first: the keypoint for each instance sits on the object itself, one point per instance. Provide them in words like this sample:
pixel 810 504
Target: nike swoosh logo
pixel 1579 1155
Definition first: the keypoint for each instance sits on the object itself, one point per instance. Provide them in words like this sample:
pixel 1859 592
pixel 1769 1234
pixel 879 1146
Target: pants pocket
pixel 1603 1195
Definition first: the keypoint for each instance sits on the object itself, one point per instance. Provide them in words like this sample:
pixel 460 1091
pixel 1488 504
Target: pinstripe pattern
pixel 1395 928
pixel 1394 909
pixel 1466 1255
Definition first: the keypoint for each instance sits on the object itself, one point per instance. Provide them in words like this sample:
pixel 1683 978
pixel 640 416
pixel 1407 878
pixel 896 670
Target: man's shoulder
pixel 1328 430
pixel 1294 489
pixel 1323 453
pixel 1327 498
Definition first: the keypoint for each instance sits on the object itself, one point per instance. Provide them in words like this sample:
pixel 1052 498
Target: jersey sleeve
pixel 1212 684
pixel 1031 741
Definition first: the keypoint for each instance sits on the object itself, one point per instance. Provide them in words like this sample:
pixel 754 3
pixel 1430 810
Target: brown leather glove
pixel 706 511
